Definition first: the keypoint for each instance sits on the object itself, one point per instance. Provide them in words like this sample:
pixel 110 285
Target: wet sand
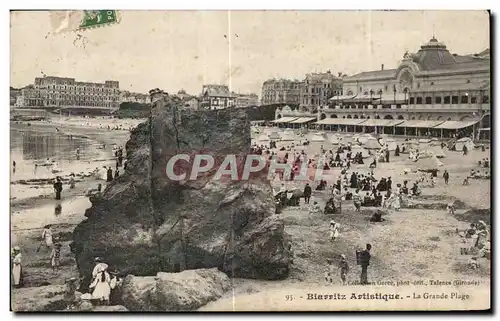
pixel 29 214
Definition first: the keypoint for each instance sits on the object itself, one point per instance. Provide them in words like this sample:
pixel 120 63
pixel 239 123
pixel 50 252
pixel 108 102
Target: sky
pixel 174 50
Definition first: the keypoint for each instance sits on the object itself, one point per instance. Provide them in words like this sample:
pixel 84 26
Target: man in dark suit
pixel 365 262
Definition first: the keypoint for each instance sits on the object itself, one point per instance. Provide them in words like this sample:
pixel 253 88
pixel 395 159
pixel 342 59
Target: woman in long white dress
pixel 396 204
pixel 101 286
pixel 16 267
pixel 47 236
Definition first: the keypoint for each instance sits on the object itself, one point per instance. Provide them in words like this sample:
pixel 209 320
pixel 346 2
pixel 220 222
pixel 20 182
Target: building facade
pixel 432 84
pixel 66 92
pixel 281 91
pixel 192 103
pixel 216 97
pixel 130 97
pixel 246 100
pixel 318 88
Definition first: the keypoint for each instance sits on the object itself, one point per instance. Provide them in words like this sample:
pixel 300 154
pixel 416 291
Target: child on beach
pixel 55 256
pixel 47 236
pixel 344 269
pixel 329 272
pixel 72 180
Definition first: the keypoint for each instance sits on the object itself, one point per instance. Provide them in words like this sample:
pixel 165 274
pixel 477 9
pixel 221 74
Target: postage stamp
pixel 226 161
pixel 76 20
pixel 98 18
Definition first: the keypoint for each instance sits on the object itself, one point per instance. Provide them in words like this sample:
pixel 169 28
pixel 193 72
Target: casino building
pixel 432 92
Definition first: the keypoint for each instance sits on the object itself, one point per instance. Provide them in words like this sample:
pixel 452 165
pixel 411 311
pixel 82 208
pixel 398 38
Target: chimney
pixel 382 67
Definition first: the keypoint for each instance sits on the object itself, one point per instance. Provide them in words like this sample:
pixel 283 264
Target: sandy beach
pixel 401 243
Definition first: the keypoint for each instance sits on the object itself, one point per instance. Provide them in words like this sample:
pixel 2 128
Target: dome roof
pixel 433 55
pixel 434 43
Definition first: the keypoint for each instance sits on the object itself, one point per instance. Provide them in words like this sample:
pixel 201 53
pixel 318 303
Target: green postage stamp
pixel 97 18
pixel 75 20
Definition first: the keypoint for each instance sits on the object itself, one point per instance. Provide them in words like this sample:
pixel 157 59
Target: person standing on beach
pixel 55 256
pixel 344 269
pixel 16 267
pixel 13 167
pixel 307 193
pixel 446 176
pixel 364 261
pixel 72 180
pixel 109 173
pixel 58 188
pixel 47 236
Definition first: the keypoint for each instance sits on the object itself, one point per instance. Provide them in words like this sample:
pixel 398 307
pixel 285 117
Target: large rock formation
pixel 145 223
pixel 185 291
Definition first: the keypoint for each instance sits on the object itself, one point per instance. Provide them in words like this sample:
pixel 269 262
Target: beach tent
pixel 426 164
pixel 423 143
pixel 364 152
pixel 412 144
pixel 274 136
pixel 346 139
pixel 287 137
pixel 435 142
pixel 372 144
pixel 317 138
pixel 335 140
pixel 263 137
pixel 255 130
pixel 437 151
pixel 464 141
pixel 391 144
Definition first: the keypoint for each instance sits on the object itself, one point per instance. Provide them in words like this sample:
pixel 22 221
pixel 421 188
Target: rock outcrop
pixel 145 222
pixel 184 291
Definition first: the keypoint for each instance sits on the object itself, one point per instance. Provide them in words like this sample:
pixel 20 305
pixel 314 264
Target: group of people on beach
pixel 362 189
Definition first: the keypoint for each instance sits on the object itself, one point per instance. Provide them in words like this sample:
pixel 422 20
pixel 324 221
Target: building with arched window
pixel 432 84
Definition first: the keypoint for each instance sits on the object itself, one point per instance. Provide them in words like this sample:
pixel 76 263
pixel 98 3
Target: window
pixel 419 100
pixel 398 106
pixel 428 100
pixel 464 99
pixel 447 99
pixel 412 100
pixel 432 83
pixel 385 88
pixel 486 99
pixel 473 100
pixel 454 99
pixel 438 100
pixel 360 88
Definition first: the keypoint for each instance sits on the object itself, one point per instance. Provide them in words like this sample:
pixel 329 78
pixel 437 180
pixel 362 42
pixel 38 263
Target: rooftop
pixel 432 56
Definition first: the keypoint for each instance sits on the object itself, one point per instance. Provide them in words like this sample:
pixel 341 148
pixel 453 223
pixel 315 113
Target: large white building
pixel 432 92
pixel 66 92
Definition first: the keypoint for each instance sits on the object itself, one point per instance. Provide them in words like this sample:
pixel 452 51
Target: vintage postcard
pixel 250 160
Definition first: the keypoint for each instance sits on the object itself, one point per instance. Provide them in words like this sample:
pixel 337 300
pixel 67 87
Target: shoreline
pixel 29 215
